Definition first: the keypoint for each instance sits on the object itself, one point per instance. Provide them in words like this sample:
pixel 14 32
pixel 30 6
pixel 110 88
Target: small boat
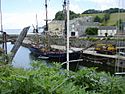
pixel 47 52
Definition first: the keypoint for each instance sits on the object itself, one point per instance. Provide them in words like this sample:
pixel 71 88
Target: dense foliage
pixel 91 31
pixel 60 15
pixel 97 19
pixel 103 19
pixel 114 10
pixel 111 10
pixel 54 80
pixel 106 17
pixel 91 11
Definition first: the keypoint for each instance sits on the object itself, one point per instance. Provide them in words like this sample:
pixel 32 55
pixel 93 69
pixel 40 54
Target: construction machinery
pixel 109 49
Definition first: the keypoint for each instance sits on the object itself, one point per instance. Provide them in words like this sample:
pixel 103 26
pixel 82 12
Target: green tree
pixel 91 31
pixel 60 15
pixel 106 17
pixel 73 15
pixel 91 11
pixel 97 19
pixel 119 23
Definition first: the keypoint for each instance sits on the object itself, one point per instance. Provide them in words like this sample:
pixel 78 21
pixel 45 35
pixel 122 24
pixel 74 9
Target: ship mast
pixel 66 18
pixel 1 26
pixel 46 28
pixel 68 35
pixel 36 24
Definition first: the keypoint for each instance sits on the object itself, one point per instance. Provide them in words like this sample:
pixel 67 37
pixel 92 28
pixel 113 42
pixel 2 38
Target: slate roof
pixel 107 28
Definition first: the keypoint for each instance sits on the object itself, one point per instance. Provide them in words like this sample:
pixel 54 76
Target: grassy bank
pixel 113 17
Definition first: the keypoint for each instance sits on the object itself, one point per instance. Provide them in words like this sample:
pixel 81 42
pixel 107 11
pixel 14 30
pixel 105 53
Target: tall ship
pixel 47 52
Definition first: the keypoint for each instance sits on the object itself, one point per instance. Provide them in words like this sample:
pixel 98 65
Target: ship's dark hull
pixel 54 55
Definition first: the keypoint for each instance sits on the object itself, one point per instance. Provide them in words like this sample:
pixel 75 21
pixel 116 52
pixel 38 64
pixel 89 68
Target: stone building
pixel 56 28
pixel 77 26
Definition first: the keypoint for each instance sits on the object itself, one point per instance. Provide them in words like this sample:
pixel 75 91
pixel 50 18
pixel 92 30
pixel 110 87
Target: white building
pixel 107 31
pixel 73 31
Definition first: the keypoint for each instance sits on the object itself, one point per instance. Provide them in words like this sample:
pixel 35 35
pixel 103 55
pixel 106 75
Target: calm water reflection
pixel 22 58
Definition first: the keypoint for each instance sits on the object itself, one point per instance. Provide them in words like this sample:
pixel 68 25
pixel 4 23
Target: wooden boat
pixel 54 54
pixel 46 52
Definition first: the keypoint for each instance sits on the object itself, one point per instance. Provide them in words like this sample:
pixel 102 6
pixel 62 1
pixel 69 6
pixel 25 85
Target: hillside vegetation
pixel 107 17
pixel 113 17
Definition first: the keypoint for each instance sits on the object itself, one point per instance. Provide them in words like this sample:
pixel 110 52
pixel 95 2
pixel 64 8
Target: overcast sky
pixel 21 13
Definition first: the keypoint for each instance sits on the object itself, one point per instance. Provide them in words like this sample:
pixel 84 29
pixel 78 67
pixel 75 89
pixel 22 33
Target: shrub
pixel 41 79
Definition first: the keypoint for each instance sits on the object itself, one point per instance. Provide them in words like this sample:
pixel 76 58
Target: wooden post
pixel 18 42
pixel 5 42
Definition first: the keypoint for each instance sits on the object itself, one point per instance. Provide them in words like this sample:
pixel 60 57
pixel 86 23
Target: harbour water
pixel 22 58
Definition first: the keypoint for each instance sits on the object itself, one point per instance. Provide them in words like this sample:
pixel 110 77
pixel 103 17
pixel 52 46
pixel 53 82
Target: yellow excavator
pixel 109 49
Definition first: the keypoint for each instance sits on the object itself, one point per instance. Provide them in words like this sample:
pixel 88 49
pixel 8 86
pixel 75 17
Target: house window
pixel 72 33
